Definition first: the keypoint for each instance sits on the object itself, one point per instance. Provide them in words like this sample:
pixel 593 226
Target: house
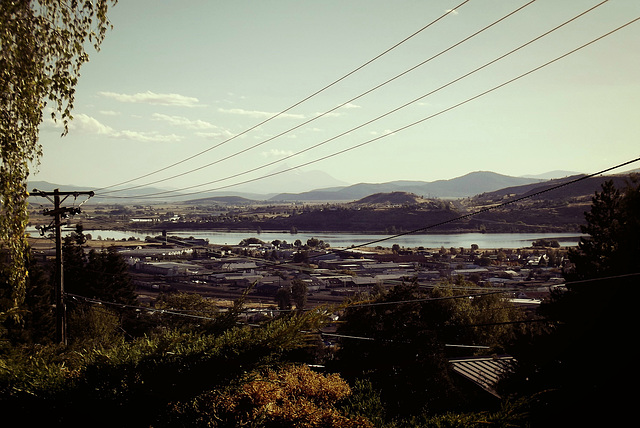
pixel 467 272
pixel 239 266
pixel 168 268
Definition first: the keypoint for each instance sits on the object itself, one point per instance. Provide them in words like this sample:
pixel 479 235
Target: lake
pixel 483 240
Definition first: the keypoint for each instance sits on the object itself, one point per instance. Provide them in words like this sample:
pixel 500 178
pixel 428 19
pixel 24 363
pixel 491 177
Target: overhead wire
pixel 457 218
pixel 349 305
pixel 466 216
pixel 316 117
pixel 452 220
pixel 528 196
pixel 517 199
pixel 498 206
pixel 389 133
pixel 295 104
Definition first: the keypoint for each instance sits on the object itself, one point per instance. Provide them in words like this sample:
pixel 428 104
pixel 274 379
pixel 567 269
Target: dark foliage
pixel 37 323
pixel 581 368
pixel 397 342
pixel 102 275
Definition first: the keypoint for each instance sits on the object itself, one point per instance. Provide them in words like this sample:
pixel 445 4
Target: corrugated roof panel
pixel 483 371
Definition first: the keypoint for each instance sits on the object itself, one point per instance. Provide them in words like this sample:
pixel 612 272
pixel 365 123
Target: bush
pixel 292 396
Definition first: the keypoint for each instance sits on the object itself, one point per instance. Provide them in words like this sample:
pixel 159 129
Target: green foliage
pixel 545 243
pixel 283 298
pixel 301 256
pixel 613 229
pixel 196 312
pixel 485 319
pixel 43 48
pixel 136 381
pixel 403 354
pixel 594 322
pixel 508 416
pixel 250 241
pixel 365 401
pixel 299 291
pixel 103 275
pixel 36 323
pixel 92 327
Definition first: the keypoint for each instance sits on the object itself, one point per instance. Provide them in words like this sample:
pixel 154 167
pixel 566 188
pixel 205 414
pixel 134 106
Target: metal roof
pixel 484 371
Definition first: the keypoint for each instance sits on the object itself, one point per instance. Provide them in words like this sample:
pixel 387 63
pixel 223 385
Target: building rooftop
pixel 484 371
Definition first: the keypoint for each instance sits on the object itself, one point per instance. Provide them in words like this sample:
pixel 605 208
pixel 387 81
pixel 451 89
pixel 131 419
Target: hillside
pixel 465 186
pixel 393 198
pixel 559 210
pixel 233 200
pixel 582 189
pixel 461 187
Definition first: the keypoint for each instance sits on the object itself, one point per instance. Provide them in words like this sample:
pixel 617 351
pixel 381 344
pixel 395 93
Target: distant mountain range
pixel 468 185
pixel 556 189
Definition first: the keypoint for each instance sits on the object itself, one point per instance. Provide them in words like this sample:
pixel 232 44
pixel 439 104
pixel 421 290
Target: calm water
pixel 483 240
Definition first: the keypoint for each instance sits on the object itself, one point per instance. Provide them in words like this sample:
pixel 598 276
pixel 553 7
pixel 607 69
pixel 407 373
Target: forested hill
pixel 393 198
pixel 459 187
pixel 570 188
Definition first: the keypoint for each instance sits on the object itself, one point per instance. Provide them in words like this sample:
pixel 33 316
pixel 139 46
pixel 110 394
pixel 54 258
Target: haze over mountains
pixel 467 185
pixel 318 186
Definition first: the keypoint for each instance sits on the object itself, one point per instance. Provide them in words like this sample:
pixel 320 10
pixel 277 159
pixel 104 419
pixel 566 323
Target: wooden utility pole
pixel 58 213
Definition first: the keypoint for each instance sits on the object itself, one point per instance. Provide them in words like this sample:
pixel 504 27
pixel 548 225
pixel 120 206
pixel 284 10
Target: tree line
pixel 187 361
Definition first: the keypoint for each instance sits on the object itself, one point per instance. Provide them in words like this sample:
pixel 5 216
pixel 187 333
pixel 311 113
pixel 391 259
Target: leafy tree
pixel 249 241
pixel 404 354
pixel 74 260
pixel 201 313
pixel 483 260
pixel 43 47
pixel 613 229
pixel 299 291
pixel 301 256
pixel 593 322
pixel 94 327
pixel 143 381
pixel 102 274
pixel 545 243
pixel 37 325
pixel 283 298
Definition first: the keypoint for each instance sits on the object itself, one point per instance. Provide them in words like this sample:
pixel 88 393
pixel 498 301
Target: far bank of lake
pixel 457 240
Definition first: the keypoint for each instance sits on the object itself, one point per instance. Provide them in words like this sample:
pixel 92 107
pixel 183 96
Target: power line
pixel 501 205
pixel 458 218
pixel 477 212
pixel 349 305
pixel 297 103
pixel 328 111
pixel 468 100
pixel 461 217
pixel 428 299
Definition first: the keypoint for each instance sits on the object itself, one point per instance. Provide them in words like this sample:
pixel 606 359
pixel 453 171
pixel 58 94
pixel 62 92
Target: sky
pixel 186 95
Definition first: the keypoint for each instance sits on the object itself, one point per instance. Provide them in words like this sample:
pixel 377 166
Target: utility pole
pixel 58 212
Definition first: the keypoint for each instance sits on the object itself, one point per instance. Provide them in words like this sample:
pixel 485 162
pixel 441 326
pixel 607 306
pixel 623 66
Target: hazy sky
pixel 176 80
